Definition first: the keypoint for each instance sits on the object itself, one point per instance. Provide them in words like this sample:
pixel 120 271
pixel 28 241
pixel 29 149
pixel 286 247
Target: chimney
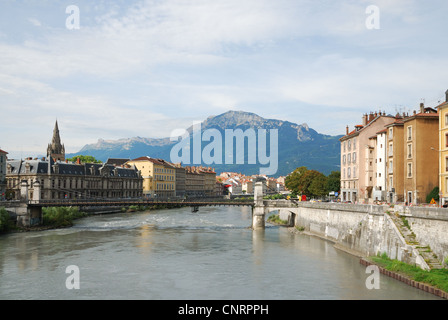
pixel 446 96
pixel 422 107
pixel 364 119
pixel 347 129
pixel 78 161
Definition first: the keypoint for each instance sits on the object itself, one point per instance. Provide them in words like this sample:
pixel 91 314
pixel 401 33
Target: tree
pixel 318 186
pixel 85 159
pixel 292 181
pixel 334 181
pixel 434 194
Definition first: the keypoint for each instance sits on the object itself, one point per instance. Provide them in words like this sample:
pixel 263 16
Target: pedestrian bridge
pixel 29 212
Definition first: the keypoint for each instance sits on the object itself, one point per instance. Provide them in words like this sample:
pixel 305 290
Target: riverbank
pixel 436 280
pixel 64 217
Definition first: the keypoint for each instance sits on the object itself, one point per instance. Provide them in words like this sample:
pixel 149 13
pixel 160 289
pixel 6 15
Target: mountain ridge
pixel 298 144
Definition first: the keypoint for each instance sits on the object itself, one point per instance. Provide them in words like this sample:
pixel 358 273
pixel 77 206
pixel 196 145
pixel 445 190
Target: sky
pixel 120 69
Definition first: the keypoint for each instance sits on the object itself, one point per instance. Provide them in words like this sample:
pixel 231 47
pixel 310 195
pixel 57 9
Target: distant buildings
pixel 55 178
pixel 3 159
pixel 399 158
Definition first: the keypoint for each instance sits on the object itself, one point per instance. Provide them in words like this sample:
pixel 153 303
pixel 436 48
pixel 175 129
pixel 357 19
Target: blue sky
pixel 145 68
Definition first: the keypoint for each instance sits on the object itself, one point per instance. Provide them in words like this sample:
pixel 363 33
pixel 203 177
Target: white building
pixel 380 189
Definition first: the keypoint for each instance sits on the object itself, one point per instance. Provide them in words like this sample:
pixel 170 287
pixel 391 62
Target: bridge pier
pixel 258 212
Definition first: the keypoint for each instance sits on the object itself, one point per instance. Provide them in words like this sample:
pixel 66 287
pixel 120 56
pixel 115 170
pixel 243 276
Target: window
pixel 391 167
pixel 446 120
pixel 409 151
pixel 349 172
pixel 446 164
pixel 391 150
pixel 409 133
pixel 354 157
pixel 446 140
pixel 354 143
pixel 349 158
pixel 390 133
pixel 354 172
pixel 349 144
pixel 409 170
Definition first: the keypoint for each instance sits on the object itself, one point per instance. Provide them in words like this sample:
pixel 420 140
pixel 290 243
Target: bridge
pixel 29 212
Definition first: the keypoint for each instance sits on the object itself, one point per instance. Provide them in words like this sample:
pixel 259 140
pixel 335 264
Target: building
pixel 159 177
pixel 395 160
pixel 443 150
pixel 180 180
pixel 55 178
pixel 209 180
pixel 421 139
pixel 194 182
pixel 358 157
pixel 379 173
pixel 3 158
pixel 56 150
pixel 47 179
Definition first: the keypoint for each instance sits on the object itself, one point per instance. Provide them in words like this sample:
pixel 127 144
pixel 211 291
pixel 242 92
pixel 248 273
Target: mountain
pixel 298 145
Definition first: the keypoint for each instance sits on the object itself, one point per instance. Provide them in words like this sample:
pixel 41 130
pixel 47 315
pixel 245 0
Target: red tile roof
pixel 1 151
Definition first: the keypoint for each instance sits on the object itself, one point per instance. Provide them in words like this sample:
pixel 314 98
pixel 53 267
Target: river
pixel 178 254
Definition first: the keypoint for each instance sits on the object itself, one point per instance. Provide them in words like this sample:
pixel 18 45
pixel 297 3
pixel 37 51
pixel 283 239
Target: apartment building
pixel 358 157
pixel 159 176
pixel 395 160
pixel 443 150
pixel 421 140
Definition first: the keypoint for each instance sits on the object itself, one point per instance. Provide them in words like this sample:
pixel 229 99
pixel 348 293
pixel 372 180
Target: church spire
pixel 56 150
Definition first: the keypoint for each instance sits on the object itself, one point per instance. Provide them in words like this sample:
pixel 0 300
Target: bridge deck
pixel 84 203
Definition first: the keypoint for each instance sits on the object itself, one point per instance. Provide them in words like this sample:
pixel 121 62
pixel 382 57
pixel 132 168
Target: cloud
pixel 35 22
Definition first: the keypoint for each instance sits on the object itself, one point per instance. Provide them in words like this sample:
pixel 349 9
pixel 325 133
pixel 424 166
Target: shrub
pixel 61 216
pixel 4 219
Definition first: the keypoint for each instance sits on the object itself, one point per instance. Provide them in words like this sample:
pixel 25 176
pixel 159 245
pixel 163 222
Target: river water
pixel 177 254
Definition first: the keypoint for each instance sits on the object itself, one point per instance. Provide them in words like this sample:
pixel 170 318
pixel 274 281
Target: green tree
pixel 434 194
pixel 334 181
pixel 85 159
pixel 4 219
pixel 292 181
pixel 318 186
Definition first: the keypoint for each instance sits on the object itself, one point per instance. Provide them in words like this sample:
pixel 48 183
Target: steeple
pixel 55 149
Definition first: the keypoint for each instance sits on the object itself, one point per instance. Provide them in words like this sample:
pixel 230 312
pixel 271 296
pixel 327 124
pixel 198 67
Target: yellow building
pixel 159 177
pixel 443 150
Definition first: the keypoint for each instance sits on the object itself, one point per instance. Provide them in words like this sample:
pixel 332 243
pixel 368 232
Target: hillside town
pixel 54 177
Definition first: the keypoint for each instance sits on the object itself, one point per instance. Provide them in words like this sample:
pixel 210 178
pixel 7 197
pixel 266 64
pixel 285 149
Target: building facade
pixel 159 177
pixel 3 158
pixel 421 140
pixel 443 150
pixel 54 178
pixel 47 179
pixel 395 161
pixel 358 158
